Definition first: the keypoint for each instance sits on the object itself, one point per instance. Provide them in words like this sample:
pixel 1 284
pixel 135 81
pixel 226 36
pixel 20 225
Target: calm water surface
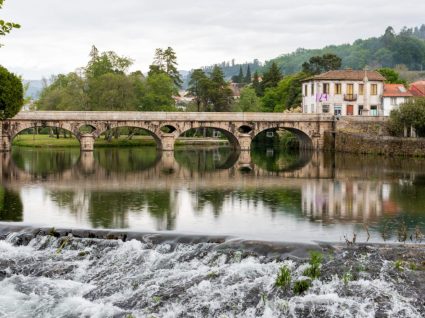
pixel 267 195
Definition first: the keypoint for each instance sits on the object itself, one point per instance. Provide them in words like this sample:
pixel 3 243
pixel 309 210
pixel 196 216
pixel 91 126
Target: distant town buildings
pixel 344 92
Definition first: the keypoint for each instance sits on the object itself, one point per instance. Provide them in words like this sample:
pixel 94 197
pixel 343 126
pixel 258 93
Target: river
pixel 203 232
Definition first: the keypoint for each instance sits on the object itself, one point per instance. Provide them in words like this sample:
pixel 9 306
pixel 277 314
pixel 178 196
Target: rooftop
pixel 417 88
pixel 396 90
pixel 348 75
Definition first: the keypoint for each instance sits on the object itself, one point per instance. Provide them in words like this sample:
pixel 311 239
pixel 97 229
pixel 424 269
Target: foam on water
pixel 106 278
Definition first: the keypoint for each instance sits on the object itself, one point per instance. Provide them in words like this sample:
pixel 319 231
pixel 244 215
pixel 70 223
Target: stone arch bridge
pixel 239 128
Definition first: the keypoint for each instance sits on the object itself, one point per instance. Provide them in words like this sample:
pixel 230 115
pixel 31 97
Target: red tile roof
pixel 348 75
pixel 417 88
pixel 396 90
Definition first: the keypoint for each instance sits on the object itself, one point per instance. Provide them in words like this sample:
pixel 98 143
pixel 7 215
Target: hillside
pixel 389 50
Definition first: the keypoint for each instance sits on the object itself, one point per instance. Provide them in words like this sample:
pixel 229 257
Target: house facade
pixel 394 95
pixel 344 92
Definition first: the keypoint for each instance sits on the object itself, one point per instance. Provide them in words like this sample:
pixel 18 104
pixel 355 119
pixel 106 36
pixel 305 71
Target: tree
pixel 410 114
pixel 6 27
pixel 159 93
pixel 391 76
pixel 198 88
pixel 320 64
pixel 166 61
pixel 256 84
pixel 220 95
pixel 249 101
pixel 271 77
pixel 106 62
pixel 248 75
pixel 11 94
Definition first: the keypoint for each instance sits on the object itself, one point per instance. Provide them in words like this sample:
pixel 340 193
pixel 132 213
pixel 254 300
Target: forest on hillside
pixel 389 50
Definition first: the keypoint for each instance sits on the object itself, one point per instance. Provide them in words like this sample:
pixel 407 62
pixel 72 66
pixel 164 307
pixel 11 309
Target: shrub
pixel 301 286
pixel 410 114
pixel 11 94
pixel 283 278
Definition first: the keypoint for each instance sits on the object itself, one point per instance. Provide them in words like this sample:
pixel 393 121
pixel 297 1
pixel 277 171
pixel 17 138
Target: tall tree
pixel 271 77
pixel 166 61
pixel 198 88
pixel 249 101
pixel 106 62
pixel 6 27
pixel 320 64
pixel 219 92
pixel 248 75
pixel 391 76
pixel 11 94
pixel 256 85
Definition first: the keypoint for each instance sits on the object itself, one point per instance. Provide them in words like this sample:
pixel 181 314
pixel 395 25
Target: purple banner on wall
pixel 321 97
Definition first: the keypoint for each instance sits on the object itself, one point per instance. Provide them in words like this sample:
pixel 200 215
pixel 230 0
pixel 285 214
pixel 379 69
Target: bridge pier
pixel 5 144
pixel 245 142
pixel 87 142
pixel 167 142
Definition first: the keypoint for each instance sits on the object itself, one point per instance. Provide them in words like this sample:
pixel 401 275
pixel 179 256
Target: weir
pixel 239 128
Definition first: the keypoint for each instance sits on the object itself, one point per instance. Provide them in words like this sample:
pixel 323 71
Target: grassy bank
pixel 41 141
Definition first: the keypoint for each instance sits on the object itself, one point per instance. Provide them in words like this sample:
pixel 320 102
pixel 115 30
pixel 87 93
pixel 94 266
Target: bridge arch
pixel 152 131
pixel 304 139
pixel 224 129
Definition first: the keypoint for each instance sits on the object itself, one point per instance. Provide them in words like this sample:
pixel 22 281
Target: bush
pixel 283 278
pixel 11 94
pixel 410 114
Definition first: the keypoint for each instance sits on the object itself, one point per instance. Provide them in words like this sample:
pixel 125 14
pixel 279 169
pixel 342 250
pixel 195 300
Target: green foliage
pixel 391 76
pixel 159 91
pixel 198 88
pixel 313 271
pixel 107 86
pixel 11 94
pixel 271 77
pixel 347 277
pixel 249 101
pixel 286 95
pixel 410 114
pixel 320 64
pixel 300 286
pixel 283 278
pixel 6 27
pixel 388 50
pixel 399 265
pixel 166 61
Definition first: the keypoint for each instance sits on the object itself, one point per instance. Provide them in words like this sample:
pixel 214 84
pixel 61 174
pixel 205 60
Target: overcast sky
pixel 56 35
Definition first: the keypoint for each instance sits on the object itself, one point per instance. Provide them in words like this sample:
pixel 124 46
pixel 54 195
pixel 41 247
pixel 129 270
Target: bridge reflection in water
pixel 205 190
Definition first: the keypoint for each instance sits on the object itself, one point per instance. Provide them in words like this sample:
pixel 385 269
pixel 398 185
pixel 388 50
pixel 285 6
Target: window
pixel 269 134
pixel 305 90
pixel 312 108
pixel 350 89
pixel 361 89
pixel 325 109
pixel 374 109
pixel 360 109
pixel 337 110
pixel 374 89
pixel 325 88
pixel 393 101
pixel 312 89
pixel 338 89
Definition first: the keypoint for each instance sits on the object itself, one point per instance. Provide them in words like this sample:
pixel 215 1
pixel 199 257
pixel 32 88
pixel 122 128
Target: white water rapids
pixel 53 277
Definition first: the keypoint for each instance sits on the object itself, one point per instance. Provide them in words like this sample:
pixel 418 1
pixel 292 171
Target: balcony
pixel 350 97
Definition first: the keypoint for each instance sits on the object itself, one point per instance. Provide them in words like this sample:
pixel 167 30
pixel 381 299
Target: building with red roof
pixel 393 96
pixel 417 89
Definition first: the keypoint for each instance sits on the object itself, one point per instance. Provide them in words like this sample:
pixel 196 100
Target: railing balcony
pixel 350 97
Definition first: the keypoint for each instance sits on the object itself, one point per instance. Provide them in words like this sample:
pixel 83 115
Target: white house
pixel 394 95
pixel 344 92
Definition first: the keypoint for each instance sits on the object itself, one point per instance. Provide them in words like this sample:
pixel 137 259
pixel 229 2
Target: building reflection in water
pixel 127 188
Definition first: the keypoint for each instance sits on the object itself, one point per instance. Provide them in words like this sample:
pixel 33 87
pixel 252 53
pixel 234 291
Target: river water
pixel 204 232
pixel 266 195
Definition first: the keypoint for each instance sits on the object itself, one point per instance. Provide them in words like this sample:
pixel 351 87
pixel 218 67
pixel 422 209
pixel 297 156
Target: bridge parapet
pixel 239 128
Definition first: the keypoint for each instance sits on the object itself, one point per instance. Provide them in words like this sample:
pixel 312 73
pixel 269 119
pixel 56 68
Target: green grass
pixel 44 141
pixel 283 278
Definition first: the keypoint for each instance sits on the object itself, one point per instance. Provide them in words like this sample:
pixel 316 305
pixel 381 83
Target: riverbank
pixel 45 141
pixel 126 274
